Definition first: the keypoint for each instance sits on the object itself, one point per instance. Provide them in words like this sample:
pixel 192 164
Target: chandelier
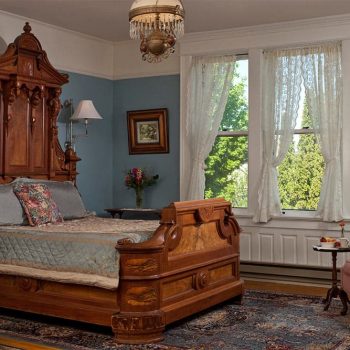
pixel 157 23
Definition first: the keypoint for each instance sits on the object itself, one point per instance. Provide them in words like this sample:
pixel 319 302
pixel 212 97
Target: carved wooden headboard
pixel 30 90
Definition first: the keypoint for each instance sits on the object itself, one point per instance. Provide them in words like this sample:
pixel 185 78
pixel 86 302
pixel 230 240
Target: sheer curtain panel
pixel 208 88
pixel 319 69
pixel 323 85
pixel 282 81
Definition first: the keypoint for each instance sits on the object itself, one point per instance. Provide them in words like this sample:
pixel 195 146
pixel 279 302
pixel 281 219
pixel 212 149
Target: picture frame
pixel 148 131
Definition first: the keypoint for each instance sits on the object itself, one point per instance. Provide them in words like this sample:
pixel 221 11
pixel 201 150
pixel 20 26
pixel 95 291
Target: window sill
pixel 287 221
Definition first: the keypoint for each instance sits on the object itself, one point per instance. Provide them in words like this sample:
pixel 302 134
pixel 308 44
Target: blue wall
pixel 95 181
pixel 104 153
pixel 139 94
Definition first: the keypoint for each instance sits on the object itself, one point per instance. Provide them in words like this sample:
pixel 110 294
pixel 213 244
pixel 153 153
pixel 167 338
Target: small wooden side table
pixel 335 291
pixel 121 211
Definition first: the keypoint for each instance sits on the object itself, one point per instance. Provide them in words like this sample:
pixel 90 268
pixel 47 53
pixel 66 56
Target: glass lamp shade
pixel 143 17
pixel 85 110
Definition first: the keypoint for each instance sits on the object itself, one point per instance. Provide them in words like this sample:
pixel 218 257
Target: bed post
pixel 190 264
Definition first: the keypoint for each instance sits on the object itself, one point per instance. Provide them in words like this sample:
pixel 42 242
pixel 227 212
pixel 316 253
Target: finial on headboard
pixel 27 28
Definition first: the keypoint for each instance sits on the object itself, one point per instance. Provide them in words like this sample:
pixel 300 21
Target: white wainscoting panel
pixel 266 245
pixel 287 242
pixel 288 249
pixel 246 246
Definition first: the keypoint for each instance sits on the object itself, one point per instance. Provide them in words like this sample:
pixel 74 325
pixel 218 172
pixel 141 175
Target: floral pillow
pixel 37 203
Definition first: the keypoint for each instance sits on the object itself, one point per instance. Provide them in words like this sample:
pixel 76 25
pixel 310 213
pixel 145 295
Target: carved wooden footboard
pixel 191 263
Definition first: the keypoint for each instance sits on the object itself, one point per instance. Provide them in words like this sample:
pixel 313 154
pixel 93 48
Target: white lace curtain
pixel 208 88
pixel 281 95
pixel 284 72
pixel 323 87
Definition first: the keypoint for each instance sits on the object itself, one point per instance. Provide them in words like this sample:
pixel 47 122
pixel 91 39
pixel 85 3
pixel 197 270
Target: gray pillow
pixel 66 196
pixel 11 212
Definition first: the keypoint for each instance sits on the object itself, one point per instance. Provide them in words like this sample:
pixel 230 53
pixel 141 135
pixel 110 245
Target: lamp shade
pixel 85 110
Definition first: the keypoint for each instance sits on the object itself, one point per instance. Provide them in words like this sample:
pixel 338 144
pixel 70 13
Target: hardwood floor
pixel 7 343
pixel 304 289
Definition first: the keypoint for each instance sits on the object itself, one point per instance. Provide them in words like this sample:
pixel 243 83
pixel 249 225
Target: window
pixel 292 163
pixel 300 173
pixel 227 165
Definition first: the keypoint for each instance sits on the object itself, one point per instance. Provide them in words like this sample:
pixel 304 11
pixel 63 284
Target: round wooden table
pixel 335 291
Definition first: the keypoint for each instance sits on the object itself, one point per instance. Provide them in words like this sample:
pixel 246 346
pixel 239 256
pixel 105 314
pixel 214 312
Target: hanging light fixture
pixel 158 23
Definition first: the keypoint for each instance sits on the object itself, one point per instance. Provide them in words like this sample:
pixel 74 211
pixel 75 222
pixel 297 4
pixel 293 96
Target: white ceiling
pixel 108 19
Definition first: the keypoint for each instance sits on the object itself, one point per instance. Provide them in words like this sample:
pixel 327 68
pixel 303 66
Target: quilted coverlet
pixel 78 251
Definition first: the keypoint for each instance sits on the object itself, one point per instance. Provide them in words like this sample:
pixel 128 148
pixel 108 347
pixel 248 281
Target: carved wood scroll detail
pixel 28 68
pixel 201 280
pixel 37 96
pixel 10 94
pixel 141 296
pixel 128 323
pixel 205 214
pixel 124 241
pixel 142 265
pixel 228 225
pixel 173 237
pixel 28 284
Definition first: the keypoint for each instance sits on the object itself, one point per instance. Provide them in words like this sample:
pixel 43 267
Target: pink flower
pixel 138 179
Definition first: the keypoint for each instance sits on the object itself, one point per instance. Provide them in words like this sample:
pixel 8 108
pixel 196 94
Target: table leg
pixel 334 291
pixel 345 300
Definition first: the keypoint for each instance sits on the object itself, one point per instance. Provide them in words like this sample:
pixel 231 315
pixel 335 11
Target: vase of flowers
pixel 138 179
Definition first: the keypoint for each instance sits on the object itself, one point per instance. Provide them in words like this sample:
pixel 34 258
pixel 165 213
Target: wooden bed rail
pixel 190 263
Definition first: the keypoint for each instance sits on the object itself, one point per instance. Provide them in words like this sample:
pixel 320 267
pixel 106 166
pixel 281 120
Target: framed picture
pixel 148 131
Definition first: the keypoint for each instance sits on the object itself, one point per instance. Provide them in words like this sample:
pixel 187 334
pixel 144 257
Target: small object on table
pixel 334 291
pixel 135 212
pixel 328 242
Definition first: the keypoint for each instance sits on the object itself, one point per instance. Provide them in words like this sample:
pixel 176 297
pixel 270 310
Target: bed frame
pixel 190 263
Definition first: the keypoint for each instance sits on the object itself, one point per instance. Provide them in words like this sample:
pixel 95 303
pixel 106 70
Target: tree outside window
pixel 227 164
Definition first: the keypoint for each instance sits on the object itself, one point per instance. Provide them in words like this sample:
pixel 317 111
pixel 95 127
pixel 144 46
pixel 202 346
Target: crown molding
pixel 236 40
pixel 86 72
pixel 319 22
pixel 283 34
pixel 137 75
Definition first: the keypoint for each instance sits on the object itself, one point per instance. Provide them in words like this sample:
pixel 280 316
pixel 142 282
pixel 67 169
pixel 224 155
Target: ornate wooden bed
pixel 190 263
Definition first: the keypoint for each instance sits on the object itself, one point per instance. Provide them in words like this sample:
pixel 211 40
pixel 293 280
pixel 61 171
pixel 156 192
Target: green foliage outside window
pixel 300 174
pixel 227 171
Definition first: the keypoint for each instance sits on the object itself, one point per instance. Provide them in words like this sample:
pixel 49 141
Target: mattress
pixel 78 251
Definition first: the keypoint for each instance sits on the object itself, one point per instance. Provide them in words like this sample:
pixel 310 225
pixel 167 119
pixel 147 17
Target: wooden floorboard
pixel 17 344
pixel 303 289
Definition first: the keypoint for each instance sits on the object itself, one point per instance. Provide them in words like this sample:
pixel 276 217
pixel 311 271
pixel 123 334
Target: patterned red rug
pixel 265 321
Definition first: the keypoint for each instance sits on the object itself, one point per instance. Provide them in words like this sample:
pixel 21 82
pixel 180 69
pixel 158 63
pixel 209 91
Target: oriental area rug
pixel 264 321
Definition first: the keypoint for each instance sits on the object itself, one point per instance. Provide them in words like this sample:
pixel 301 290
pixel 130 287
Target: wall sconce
pixel 85 111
